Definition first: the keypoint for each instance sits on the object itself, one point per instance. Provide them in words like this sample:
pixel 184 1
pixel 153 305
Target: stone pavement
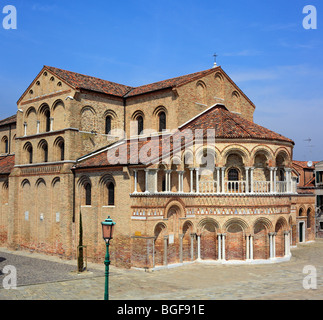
pixel 49 278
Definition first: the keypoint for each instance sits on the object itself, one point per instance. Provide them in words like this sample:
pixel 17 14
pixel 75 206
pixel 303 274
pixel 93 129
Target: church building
pixel 179 165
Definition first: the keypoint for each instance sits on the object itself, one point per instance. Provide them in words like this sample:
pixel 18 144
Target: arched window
pixel 47 115
pixel 28 149
pixel 140 121
pixel 88 194
pixel 111 194
pixel 233 175
pixel 62 150
pixel 44 151
pixel 5 145
pixel 162 121
pixel 59 149
pixel 108 123
pixel 30 154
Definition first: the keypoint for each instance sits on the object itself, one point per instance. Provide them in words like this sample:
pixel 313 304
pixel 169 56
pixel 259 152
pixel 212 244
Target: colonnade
pixel 220 185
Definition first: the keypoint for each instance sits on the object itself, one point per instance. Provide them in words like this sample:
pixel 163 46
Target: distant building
pixel 319 198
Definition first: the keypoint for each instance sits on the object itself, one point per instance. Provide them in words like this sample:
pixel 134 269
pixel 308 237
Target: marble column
pixel 165 250
pixel 197 180
pixel 270 245
pixel 222 180
pixel 217 180
pixel 223 246
pixel 251 179
pixel 251 247
pixel 191 179
pixel 192 246
pixel 198 247
pixel 271 180
pixel 247 179
pixel 25 128
pixel 247 248
pixel 275 180
pixel 181 236
pixel 146 180
pixel 136 180
pixel 180 181
pixel 219 247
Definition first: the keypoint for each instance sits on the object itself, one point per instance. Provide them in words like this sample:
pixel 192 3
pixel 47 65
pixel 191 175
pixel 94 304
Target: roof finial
pixel 215 65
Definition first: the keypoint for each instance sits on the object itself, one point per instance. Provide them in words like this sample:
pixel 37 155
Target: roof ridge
pixel 88 76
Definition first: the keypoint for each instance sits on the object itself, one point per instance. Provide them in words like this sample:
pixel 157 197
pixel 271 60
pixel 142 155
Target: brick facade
pixel 60 170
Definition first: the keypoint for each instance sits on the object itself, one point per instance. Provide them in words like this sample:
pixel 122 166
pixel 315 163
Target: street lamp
pixel 107 231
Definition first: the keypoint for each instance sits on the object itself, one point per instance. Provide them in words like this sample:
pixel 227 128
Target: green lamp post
pixel 107 231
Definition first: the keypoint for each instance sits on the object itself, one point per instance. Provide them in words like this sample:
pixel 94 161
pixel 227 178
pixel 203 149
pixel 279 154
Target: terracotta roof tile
pixel 6 164
pixel 170 83
pixel 81 81
pixel 303 164
pixel 9 120
pixel 226 125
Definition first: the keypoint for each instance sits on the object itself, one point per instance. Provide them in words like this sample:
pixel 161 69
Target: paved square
pixel 48 278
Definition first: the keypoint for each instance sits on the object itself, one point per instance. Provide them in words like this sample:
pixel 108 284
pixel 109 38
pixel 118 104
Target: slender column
pixel 156 180
pixel 198 247
pixel 247 179
pixel 165 250
pixel 285 243
pixel 288 180
pixel 167 180
pixel 181 236
pixel 271 180
pixel 217 180
pixel 251 179
pixel 270 245
pixel 219 247
pixel 247 248
pixel 38 123
pixel 275 180
pixel 25 128
pixel 146 180
pixel 180 181
pixel 223 246
pixel 197 180
pixel 192 246
pixel 191 179
pixel 136 180
pixel 251 247
pixel 274 244
pixel 51 123
pixel 222 179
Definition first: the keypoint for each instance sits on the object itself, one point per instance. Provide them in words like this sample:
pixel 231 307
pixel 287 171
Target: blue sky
pixel 262 45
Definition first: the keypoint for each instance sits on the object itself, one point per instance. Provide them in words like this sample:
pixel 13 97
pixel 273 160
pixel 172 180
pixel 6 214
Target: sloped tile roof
pixel 229 125
pixel 303 164
pixel 9 120
pixel 81 81
pixel 225 125
pixel 170 83
pixel 7 163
